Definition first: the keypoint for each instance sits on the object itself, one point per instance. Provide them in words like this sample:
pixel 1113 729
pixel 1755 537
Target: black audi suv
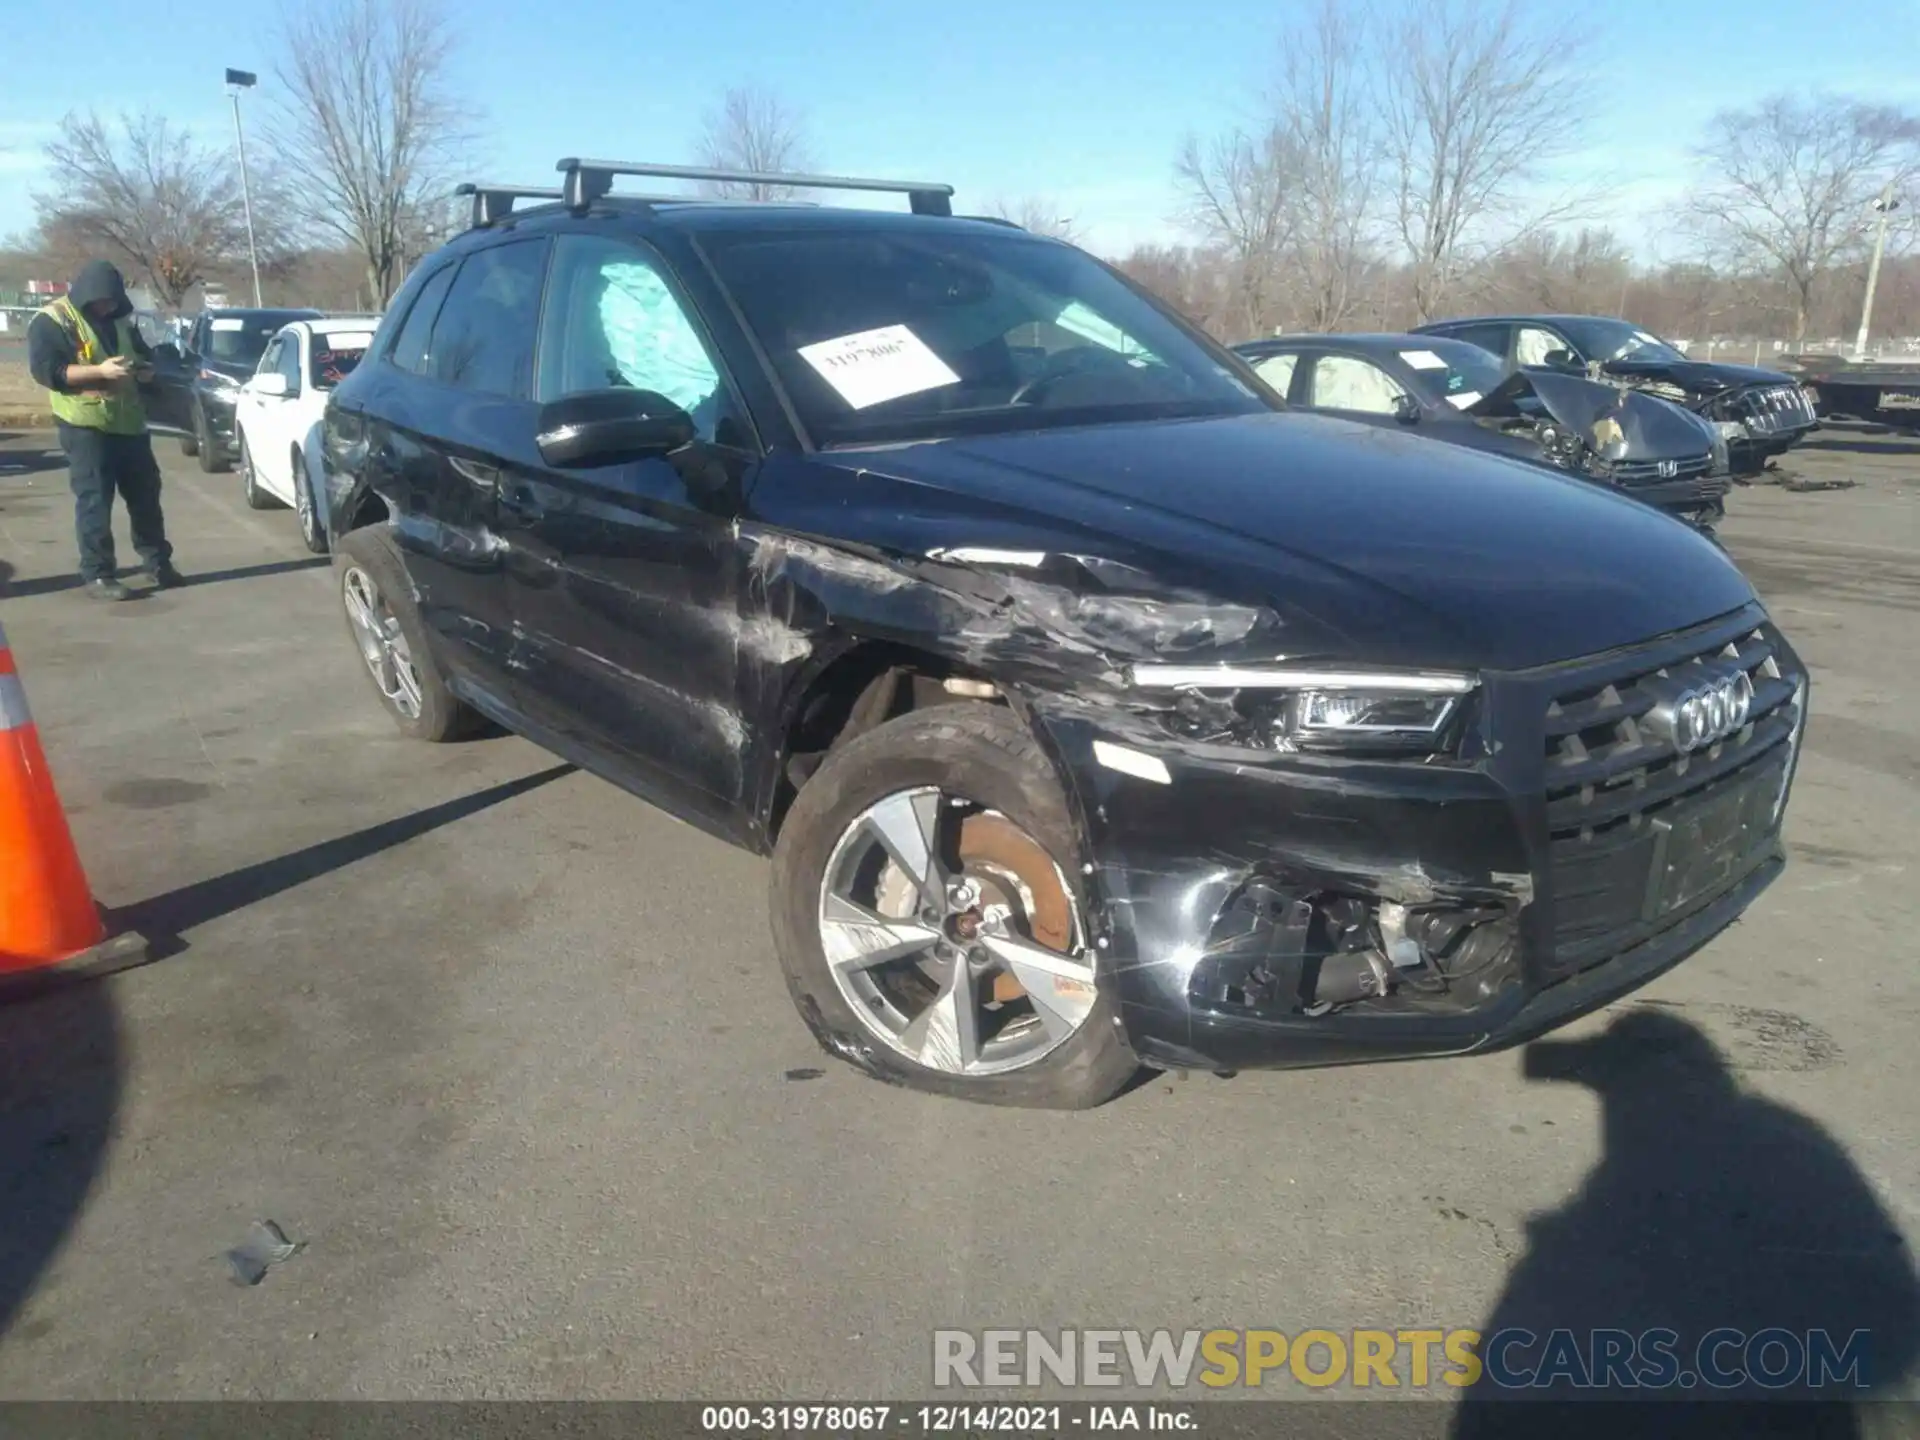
pixel 1094 708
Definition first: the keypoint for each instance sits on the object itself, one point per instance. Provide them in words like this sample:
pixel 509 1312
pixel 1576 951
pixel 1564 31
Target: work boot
pixel 166 577
pixel 108 589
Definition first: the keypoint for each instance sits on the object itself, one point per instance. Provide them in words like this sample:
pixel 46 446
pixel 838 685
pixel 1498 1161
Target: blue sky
pixel 1083 101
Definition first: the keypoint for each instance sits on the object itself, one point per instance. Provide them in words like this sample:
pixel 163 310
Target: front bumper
pixel 1196 884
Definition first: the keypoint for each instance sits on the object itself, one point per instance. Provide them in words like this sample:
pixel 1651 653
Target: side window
pixel 409 348
pixel 1277 371
pixel 1533 345
pixel 269 358
pixel 1491 338
pixel 290 362
pixel 612 320
pixel 1342 382
pixel 485 335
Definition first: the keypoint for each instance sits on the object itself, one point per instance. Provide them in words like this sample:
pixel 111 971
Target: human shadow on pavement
pixel 1711 1210
pixel 165 919
pixel 14 463
pixel 61 1074
pixel 52 584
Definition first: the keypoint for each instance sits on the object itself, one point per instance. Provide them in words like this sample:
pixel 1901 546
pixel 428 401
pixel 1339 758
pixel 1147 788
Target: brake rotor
pixel 994 844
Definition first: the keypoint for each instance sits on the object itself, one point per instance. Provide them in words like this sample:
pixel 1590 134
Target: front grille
pixel 1769 409
pixel 1618 795
pixel 1637 474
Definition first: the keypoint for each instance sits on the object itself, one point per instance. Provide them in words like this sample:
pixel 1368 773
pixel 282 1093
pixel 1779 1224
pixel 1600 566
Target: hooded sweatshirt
pixel 50 350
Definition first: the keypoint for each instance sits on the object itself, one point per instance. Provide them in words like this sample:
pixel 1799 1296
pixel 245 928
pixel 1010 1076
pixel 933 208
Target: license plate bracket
pixel 1706 846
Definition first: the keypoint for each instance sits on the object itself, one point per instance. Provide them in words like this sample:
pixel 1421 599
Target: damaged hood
pixel 1697 377
pixel 1618 424
pixel 1422 554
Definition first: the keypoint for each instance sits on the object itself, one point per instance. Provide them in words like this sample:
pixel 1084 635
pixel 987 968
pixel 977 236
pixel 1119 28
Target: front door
pixel 1354 389
pixel 450 408
pixel 625 578
pixel 271 422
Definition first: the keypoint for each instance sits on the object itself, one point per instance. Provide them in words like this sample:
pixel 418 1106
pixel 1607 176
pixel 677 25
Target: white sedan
pixel 277 419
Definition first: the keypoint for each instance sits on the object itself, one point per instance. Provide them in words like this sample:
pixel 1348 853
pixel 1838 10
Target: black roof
pixel 1381 340
pixel 1505 319
pixel 696 215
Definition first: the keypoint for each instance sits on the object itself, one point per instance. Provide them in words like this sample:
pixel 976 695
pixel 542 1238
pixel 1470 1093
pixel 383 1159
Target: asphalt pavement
pixel 507 1054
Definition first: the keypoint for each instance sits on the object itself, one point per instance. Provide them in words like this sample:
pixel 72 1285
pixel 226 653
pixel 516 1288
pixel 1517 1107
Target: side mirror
pixel 1406 409
pixel 1561 360
pixel 272 384
pixel 605 427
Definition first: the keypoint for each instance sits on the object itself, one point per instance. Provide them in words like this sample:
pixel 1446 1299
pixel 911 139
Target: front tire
pixel 928 916
pixel 311 531
pixel 387 632
pixel 206 446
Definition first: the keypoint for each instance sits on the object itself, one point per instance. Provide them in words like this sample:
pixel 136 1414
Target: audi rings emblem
pixel 1698 710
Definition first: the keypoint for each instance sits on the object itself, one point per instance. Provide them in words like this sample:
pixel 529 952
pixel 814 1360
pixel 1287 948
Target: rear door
pixel 1278 370
pixel 451 404
pixel 1493 336
pixel 624 578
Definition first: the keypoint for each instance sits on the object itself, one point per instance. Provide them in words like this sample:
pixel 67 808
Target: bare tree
pixel 145 193
pixel 1476 105
pixel 1040 215
pixel 1239 194
pixel 1322 103
pixel 753 129
pixel 1790 186
pixel 370 121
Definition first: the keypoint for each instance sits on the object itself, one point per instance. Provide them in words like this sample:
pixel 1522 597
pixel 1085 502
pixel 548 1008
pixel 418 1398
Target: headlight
pixel 215 380
pixel 1326 711
pixel 1730 429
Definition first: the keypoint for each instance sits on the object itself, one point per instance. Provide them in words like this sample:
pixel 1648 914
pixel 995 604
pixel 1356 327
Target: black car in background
pixel 197 383
pixel 1448 390
pixel 1760 413
pixel 1093 707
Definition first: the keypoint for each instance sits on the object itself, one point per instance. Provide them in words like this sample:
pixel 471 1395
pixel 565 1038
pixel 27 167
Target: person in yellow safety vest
pixel 86 353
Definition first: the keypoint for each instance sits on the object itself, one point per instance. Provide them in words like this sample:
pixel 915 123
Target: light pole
pixel 238 80
pixel 1886 205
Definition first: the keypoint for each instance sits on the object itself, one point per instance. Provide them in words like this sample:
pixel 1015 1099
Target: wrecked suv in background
pixel 1660 454
pixel 1094 708
pixel 1761 414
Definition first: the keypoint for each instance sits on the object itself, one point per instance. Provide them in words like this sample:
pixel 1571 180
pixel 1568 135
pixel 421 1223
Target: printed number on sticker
pixel 875 366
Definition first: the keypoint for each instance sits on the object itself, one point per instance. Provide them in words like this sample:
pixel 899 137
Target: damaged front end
pixel 1635 442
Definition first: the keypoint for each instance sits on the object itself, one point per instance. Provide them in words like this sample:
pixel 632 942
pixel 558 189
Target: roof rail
pixel 493 203
pixel 588 180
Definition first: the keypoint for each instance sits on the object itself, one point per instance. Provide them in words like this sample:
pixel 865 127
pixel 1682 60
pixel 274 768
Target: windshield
pixel 334 357
pixel 882 335
pixel 1606 340
pixel 1451 370
pixel 242 339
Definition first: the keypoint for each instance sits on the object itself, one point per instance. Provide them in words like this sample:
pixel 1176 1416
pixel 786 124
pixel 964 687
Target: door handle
pixel 519 500
pixel 474 472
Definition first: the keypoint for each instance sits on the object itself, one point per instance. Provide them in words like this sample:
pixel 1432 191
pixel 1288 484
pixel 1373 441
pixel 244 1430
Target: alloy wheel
pixel 953 935
pixel 383 645
pixel 303 506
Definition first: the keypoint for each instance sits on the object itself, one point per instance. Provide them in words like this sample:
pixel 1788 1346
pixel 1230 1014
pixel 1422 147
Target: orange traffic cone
pixel 49 926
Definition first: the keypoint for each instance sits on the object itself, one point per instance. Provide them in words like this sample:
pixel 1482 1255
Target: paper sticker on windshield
pixel 1465 398
pixel 1423 360
pixel 875 366
pixel 229 324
